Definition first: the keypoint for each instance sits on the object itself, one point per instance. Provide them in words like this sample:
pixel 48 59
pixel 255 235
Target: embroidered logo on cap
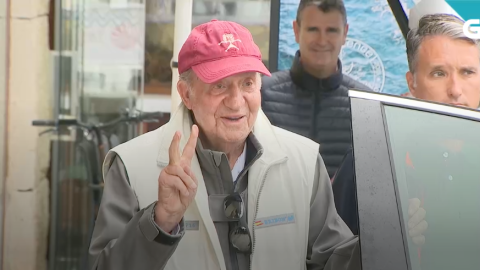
pixel 274 220
pixel 228 38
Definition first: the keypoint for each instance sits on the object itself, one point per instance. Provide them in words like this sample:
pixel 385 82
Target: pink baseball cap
pixel 218 49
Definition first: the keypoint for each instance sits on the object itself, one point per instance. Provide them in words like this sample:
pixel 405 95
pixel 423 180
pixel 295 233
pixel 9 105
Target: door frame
pixel 380 234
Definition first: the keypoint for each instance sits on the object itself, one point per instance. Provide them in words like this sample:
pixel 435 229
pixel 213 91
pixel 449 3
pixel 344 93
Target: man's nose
pixel 455 87
pixel 235 98
pixel 322 38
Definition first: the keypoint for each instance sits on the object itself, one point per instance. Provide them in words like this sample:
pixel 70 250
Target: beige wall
pixel 3 90
pixel 26 213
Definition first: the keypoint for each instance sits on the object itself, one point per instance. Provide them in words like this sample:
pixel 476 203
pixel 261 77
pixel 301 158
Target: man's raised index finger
pixel 174 150
pixel 414 205
pixel 189 149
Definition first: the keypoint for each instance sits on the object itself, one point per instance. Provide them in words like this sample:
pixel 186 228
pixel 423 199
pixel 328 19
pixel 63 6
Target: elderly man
pixel 444 67
pixel 219 187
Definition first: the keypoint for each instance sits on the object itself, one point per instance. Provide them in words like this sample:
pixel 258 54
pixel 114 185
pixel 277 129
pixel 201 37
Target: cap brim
pixel 214 71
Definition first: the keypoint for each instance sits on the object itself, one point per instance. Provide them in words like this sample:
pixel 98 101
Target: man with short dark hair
pixel 311 99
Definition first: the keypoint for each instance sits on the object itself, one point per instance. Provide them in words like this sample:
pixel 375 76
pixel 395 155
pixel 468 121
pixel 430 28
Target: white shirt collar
pixel 239 164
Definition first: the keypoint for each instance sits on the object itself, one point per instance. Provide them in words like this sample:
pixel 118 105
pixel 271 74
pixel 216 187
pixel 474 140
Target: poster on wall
pixel 112 38
pixel 374 52
pixel 114 34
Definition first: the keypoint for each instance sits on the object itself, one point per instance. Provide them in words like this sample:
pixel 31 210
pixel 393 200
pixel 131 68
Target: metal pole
pixel 183 26
pixel 58 72
pixel 400 16
pixel 274 35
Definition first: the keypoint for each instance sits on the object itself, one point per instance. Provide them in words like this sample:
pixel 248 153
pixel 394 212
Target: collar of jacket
pixel 308 82
pixel 254 151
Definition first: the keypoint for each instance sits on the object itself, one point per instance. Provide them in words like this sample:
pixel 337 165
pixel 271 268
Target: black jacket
pixel 344 192
pixel 315 108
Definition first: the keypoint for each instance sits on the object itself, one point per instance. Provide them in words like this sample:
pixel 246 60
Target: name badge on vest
pixel 192 225
pixel 274 220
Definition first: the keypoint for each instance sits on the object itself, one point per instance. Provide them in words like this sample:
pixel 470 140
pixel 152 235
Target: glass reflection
pixel 253 14
pixel 436 160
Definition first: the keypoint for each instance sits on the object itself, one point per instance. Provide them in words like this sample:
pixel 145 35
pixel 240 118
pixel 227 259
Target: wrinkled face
pixel 225 111
pixel 320 36
pixel 447 71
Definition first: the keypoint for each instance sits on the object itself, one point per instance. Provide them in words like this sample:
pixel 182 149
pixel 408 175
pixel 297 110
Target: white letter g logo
pixel 472 32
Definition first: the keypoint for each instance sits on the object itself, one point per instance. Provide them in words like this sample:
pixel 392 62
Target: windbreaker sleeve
pixel 331 244
pixel 124 236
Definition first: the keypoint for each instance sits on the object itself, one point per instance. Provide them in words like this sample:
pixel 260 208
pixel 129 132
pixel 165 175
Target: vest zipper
pixel 233 256
pixel 257 205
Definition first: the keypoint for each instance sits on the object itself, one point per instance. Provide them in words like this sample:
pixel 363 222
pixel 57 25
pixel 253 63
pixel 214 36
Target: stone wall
pixel 26 209
pixel 3 84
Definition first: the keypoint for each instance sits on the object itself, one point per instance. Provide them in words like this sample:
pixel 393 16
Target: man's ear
pixel 410 82
pixel 185 93
pixel 296 30
pixel 345 30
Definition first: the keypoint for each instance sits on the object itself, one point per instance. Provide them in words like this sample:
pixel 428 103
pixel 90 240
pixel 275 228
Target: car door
pixel 409 152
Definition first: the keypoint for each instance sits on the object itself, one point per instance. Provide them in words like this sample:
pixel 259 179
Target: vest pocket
pixel 281 222
pixel 280 246
pixel 194 250
pixel 188 252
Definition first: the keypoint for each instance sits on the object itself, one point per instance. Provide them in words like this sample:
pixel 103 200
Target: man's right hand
pixel 416 223
pixel 177 184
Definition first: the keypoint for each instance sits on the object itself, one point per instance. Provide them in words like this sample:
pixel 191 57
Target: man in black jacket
pixel 311 99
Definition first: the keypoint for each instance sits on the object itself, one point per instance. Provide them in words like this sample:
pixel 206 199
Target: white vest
pixel 279 184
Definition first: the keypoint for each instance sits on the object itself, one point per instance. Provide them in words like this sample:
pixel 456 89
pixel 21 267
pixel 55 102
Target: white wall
pixel 3 84
pixel 26 207
pixel 3 58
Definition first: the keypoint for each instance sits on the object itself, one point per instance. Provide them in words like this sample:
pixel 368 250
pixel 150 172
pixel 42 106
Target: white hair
pixel 434 25
pixel 189 76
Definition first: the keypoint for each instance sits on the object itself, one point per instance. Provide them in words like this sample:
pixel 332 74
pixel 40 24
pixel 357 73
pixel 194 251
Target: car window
pixel 436 159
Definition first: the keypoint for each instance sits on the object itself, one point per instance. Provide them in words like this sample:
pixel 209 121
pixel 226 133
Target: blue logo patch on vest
pixel 274 220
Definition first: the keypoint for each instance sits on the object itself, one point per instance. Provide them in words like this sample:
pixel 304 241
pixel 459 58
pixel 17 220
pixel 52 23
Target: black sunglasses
pixel 234 208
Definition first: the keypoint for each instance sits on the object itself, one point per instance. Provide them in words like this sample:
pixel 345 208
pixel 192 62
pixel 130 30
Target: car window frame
pixel 381 236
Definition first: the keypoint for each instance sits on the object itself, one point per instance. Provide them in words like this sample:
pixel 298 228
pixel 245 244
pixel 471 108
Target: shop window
pixel 159 37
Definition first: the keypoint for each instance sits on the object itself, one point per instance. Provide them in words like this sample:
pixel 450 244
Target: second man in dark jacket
pixel 311 99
